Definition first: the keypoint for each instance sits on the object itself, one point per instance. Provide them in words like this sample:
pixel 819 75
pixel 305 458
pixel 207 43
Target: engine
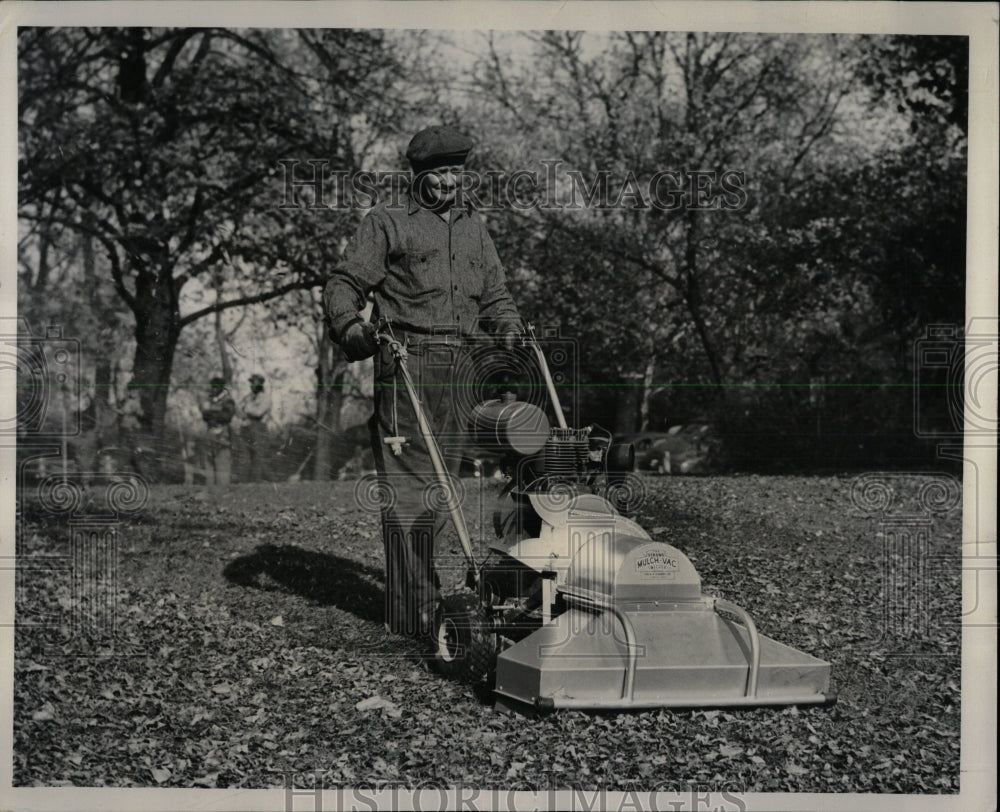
pixel 538 455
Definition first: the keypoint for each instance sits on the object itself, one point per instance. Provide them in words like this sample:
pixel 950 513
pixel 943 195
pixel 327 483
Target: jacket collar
pixel 413 205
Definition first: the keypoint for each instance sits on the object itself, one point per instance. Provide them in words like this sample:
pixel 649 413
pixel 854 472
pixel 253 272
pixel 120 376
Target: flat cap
pixel 438 146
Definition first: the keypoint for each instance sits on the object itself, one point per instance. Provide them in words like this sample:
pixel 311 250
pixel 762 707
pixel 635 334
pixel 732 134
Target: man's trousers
pixel 414 511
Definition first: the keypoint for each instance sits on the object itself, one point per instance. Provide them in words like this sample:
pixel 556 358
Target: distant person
pixel 217 411
pixel 129 426
pixel 189 458
pixel 255 408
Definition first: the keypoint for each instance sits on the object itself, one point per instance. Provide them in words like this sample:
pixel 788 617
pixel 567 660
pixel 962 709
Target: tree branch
pixel 167 65
pixel 256 298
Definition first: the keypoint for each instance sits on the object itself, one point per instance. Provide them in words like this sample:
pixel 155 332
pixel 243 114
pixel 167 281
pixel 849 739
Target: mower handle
pixel 550 386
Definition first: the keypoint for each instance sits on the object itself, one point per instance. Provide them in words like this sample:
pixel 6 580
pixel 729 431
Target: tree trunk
pixel 157 330
pixel 321 459
pixel 104 413
pixel 220 336
pixel 329 398
pixel 692 299
pixel 647 394
pixel 627 405
pixel 44 241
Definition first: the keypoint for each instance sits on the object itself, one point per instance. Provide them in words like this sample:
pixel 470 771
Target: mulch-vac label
pixel 656 565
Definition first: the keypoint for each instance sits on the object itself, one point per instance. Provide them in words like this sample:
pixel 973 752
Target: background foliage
pixel 152 224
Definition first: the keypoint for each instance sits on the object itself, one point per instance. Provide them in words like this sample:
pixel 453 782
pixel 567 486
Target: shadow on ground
pixel 328 580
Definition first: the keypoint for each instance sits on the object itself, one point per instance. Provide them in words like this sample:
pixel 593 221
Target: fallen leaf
pixel 516 768
pixel 44 714
pixel 277 620
pixel 379 703
pixel 160 774
pixel 209 780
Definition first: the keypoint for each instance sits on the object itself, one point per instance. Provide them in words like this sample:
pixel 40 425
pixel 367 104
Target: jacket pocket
pixel 473 280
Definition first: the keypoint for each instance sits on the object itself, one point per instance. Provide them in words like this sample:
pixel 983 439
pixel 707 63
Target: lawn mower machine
pixel 575 605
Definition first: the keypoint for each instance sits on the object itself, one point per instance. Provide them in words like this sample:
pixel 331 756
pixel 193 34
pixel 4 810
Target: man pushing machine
pixel 433 272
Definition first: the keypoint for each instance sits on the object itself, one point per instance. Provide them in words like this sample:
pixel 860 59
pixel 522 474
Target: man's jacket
pixel 218 410
pixel 423 273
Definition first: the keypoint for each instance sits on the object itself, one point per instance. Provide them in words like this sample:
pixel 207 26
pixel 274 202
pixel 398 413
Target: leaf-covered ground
pixel 249 646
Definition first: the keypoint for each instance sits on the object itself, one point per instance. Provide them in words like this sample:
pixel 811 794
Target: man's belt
pixel 419 338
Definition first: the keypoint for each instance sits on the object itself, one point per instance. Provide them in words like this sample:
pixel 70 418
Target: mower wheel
pixel 464 647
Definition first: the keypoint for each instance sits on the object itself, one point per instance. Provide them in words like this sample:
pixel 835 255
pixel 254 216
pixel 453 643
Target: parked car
pixel 692 448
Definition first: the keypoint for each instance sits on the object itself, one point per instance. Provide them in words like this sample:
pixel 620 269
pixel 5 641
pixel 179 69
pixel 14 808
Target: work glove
pixel 358 340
